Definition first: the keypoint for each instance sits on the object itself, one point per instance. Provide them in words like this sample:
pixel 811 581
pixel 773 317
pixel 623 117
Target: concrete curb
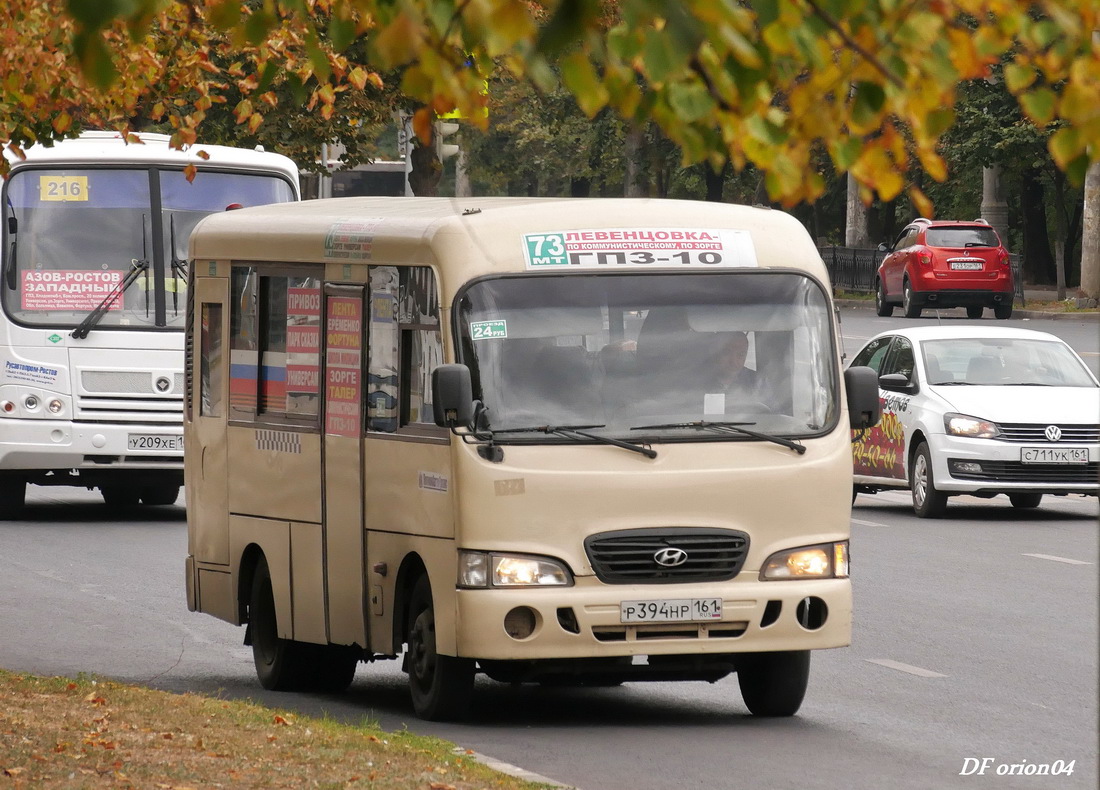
pixel 1091 315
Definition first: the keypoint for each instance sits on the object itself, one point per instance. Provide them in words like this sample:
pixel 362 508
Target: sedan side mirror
pixel 453 396
pixel 897 382
pixel 864 408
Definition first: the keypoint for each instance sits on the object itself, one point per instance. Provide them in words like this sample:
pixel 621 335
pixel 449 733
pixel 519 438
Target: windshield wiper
pixel 573 431
pixel 734 428
pixel 84 327
pixel 179 265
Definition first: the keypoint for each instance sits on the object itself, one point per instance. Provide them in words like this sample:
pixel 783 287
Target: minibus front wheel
pixel 774 684
pixel 441 686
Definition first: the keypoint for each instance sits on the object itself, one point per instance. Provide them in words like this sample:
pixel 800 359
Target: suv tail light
pixel 924 258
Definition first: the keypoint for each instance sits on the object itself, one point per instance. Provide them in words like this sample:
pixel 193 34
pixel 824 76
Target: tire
pixel 441 687
pixel 774 684
pixel 974 311
pixel 909 301
pixel 882 307
pixel 281 664
pixel 160 495
pixel 854 494
pixel 1025 501
pixel 331 667
pixel 1003 311
pixel 13 497
pixel 120 496
pixel 927 501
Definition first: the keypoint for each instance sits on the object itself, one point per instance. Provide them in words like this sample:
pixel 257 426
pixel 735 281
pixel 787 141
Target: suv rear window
pixel 961 237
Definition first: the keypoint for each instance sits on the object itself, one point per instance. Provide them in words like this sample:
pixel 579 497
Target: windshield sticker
pixel 350 239
pixel 69 290
pixel 653 247
pixel 488 330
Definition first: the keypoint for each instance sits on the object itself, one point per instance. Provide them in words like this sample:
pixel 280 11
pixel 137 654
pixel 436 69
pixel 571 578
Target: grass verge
pixel 91 733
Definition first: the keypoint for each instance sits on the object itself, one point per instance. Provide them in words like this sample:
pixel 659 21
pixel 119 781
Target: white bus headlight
pixel 825 561
pixel 963 425
pixel 480 569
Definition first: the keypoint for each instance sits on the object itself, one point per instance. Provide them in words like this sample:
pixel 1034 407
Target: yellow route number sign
pixel 62 188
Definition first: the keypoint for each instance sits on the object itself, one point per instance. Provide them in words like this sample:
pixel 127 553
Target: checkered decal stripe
pixel 279 441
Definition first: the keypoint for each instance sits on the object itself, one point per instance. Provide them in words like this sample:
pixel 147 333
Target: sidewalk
pixel 1032 296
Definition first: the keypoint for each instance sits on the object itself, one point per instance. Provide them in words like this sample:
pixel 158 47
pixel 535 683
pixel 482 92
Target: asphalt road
pixel 975 637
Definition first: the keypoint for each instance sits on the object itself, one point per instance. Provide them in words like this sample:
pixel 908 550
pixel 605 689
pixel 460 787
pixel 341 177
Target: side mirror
pixel 453 396
pixel 883 248
pixel 897 382
pixel 864 408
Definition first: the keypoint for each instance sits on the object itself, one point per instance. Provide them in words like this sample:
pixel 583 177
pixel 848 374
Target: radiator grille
pixel 1036 432
pixel 630 556
pixel 1048 474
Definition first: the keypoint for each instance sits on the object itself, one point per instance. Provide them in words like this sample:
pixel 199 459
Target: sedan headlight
pixel 972 427
pixel 489 569
pixel 824 561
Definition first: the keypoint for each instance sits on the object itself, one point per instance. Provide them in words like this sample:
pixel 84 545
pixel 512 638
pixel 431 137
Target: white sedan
pixel 980 411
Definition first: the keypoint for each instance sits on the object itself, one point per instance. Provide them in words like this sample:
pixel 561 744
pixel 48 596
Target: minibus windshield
pixel 655 353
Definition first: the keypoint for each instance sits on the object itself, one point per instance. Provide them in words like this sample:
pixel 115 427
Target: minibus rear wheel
pixel 773 684
pixel 280 663
pixel 441 686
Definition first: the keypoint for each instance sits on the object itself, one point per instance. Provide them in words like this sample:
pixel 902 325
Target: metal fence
pixel 853 269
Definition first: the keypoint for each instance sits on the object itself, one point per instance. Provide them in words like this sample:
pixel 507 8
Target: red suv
pixel 945 264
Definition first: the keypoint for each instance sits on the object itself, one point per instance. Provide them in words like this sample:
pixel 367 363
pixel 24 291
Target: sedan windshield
pixel 652 352
pixel 1004 361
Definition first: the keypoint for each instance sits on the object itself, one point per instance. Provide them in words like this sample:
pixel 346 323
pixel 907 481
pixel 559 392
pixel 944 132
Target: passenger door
pixel 342 464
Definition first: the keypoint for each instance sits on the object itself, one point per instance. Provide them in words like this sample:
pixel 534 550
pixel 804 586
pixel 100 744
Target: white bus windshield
pixel 75 234
pixel 629 351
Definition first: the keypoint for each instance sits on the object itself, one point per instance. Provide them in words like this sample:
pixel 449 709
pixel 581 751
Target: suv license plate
pixel 966 266
pixel 154 441
pixel 680 610
pixel 1054 455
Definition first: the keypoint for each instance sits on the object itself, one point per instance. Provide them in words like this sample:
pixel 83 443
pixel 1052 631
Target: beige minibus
pixel 547 440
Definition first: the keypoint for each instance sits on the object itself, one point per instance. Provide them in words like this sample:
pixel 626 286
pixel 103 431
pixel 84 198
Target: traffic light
pixel 443 130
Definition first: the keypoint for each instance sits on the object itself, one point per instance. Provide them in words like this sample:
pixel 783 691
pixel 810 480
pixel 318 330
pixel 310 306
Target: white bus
pixel 93 283
pixel 550 440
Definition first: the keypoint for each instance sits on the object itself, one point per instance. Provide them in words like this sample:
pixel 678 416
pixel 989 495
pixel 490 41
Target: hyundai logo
pixel 1053 433
pixel 670 557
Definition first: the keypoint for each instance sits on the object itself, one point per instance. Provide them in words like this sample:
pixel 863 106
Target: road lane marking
pixel 1066 560
pixel 912 670
pixel 868 523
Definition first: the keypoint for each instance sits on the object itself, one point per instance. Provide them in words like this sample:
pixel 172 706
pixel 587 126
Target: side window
pixel 873 354
pixel 901 241
pixel 901 359
pixel 405 346
pixel 211 363
pixel 275 326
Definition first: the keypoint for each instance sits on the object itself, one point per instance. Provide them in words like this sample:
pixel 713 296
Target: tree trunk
pixel 633 150
pixel 1090 234
pixel 994 206
pixel 714 181
pixel 856 233
pixel 426 171
pixel 1038 263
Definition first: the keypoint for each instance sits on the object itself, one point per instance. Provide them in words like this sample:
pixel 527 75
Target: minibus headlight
pixel 825 561
pixel 480 569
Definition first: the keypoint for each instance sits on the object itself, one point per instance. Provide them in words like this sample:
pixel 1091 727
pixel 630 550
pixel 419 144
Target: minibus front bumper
pixel 584 620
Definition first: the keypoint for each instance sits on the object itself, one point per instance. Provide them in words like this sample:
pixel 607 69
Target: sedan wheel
pixel 927 501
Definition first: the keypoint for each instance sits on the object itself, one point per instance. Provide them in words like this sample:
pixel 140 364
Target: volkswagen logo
pixel 670 557
pixel 163 385
pixel 1053 433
